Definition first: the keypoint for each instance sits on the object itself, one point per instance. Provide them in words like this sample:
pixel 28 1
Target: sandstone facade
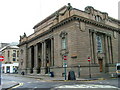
pixel 76 34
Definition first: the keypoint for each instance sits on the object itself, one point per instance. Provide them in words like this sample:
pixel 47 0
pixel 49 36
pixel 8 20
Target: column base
pixel 29 70
pixel 42 71
pixel 35 71
pixel 20 71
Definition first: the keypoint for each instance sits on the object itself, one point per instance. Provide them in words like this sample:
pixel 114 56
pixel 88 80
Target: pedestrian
pixel 22 73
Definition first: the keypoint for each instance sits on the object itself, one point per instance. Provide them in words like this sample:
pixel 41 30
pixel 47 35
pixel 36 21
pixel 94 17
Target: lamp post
pixel 78 70
pixel 89 67
pixel 65 64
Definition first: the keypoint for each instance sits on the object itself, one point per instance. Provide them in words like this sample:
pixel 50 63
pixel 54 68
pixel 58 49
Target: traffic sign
pixel 1 58
pixel 89 59
pixel 65 65
pixel 65 57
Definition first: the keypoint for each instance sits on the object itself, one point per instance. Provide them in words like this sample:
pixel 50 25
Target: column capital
pixel 29 47
pixel 52 37
pixel 91 30
pixel 43 41
pixel 35 45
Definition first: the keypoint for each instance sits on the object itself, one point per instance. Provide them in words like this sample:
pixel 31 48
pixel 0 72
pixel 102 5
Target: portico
pixel 76 34
pixel 40 57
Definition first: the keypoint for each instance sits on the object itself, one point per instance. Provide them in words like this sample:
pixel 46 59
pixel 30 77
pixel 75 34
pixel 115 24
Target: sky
pixel 19 16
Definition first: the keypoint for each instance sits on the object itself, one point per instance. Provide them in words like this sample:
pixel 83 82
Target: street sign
pixel 1 58
pixel 89 59
pixel 65 57
pixel 65 65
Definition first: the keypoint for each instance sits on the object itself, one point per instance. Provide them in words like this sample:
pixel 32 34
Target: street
pixel 33 84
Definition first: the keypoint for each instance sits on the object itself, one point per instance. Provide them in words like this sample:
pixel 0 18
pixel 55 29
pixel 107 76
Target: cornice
pixel 67 20
pixel 36 37
pixel 86 20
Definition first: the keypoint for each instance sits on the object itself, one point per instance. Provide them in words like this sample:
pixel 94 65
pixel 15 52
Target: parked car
pixel 118 69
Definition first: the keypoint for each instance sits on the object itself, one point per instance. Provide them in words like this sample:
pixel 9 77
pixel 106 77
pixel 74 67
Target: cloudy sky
pixel 19 16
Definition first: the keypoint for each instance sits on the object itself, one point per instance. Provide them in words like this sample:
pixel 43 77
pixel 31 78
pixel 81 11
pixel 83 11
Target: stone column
pixel 35 59
pixel 42 58
pixel 44 54
pixel 52 52
pixel 43 66
pixel 95 47
pixel 26 60
pixel 110 50
pixel 29 61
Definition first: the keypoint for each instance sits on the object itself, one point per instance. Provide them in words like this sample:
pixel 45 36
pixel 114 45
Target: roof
pixel 9 47
pixel 53 14
pixel 49 17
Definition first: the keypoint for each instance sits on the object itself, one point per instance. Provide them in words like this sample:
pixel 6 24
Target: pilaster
pixel 91 47
pixel 94 47
pixel 106 54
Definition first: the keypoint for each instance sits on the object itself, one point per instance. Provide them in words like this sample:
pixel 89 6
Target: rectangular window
pixel 99 44
pixel 14 59
pixel 64 43
pixel 17 53
pixel 8 53
pixel 14 53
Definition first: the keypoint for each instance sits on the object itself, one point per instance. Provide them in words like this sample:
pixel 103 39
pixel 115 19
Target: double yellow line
pixel 20 84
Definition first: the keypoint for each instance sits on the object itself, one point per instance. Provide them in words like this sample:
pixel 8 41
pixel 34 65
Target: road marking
pixel 28 82
pixel 20 84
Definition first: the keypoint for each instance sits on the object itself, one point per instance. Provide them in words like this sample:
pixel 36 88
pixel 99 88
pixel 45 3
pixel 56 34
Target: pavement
pixel 10 84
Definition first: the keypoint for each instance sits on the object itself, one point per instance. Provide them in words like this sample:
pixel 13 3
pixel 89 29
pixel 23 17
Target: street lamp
pixel 65 65
pixel 78 70
pixel 89 67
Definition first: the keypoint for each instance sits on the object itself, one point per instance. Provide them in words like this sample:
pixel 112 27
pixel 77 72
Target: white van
pixel 118 69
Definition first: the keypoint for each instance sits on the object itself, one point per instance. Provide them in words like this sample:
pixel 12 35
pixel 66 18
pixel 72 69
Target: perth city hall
pixel 76 34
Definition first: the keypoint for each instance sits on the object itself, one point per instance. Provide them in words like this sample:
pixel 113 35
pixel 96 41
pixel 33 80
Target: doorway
pixel 100 65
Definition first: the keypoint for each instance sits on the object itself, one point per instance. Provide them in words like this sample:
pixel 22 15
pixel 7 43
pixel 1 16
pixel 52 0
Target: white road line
pixel 28 82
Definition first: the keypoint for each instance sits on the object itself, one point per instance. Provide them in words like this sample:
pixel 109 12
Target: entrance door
pixel 101 65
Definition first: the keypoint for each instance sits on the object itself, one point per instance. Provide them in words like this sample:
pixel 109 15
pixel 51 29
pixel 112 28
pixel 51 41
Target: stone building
pixel 3 45
pixel 10 63
pixel 77 35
